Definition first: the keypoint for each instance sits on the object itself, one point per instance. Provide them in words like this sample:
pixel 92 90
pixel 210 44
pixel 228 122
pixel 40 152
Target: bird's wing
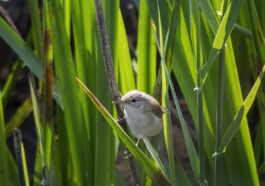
pixel 159 111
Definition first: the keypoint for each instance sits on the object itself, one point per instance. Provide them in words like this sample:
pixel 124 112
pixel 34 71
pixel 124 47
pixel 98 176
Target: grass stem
pixel 219 120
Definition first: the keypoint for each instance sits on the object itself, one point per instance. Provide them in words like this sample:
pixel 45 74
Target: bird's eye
pixel 133 100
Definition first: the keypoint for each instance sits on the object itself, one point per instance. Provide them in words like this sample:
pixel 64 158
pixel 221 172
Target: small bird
pixel 143 114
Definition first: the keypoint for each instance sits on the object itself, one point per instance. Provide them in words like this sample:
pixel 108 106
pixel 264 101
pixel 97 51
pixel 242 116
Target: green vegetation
pixel 214 49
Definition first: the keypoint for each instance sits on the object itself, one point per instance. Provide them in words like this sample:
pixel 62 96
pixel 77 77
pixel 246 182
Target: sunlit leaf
pixel 242 112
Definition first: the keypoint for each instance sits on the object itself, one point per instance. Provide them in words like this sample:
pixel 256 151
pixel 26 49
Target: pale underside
pixel 143 124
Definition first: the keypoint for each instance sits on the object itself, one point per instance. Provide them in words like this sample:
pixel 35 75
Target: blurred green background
pixel 202 59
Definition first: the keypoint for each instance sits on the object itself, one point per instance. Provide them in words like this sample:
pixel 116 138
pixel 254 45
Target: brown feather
pixel 157 109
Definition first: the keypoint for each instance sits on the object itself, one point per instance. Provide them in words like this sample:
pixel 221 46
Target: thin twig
pixel 108 63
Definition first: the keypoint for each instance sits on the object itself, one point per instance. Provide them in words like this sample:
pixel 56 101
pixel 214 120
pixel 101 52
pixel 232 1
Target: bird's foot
pixel 127 154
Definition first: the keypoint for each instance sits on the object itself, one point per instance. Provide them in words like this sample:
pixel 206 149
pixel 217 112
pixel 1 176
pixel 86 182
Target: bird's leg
pixel 127 153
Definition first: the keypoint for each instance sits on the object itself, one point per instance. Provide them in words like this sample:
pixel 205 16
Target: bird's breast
pixel 143 124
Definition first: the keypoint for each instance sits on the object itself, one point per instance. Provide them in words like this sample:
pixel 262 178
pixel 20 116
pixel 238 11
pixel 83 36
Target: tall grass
pixel 215 51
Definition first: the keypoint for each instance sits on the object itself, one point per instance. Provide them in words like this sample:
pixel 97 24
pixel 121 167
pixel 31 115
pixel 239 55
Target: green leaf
pixel 146 71
pixel 36 25
pixel 234 126
pixel 21 48
pixel 171 35
pixel 37 121
pixel 224 30
pixel 10 81
pixel 26 54
pixel 24 164
pixel 73 113
pixel 167 124
pixel 208 11
pixel 19 117
pixel 257 33
pixel 4 169
pixel 155 156
pixel 123 64
pixel 166 74
pixel 192 153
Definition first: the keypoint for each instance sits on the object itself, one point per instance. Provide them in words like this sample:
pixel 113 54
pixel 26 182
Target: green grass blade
pixel 65 71
pixel 124 72
pixel 12 169
pixel 86 62
pixel 36 114
pixel 61 154
pixel 219 119
pixel 243 110
pixel 257 33
pixel 24 165
pixel 242 143
pixel 165 13
pixel 46 114
pixel 168 134
pixel 225 28
pixel 171 36
pixel 4 169
pixel 21 158
pixel 25 53
pixel 167 124
pixel 208 11
pixel 20 115
pixel 37 121
pixel 155 157
pixel 146 51
pixel 67 15
pixel 243 30
pixel 10 81
pixel 36 25
pixel 21 48
pixel 192 153
pixel 196 41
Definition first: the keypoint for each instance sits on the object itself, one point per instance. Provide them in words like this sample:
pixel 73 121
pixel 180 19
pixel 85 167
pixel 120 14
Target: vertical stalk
pixel 48 82
pixel 108 64
pixel 195 35
pixel 199 92
pixel 219 120
pixel 201 127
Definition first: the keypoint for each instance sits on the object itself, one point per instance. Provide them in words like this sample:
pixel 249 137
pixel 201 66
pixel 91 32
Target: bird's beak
pixel 119 101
